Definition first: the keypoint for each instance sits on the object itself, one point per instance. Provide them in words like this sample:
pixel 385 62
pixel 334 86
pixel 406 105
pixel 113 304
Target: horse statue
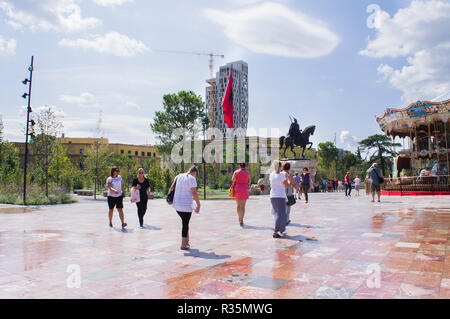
pixel 297 138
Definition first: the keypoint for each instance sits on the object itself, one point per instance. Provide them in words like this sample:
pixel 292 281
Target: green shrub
pixel 77 181
pixel 36 196
pixel 224 181
pixel 159 194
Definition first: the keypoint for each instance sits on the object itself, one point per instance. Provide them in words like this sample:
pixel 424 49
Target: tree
pixel 347 162
pixel 9 164
pixel 156 179
pixel 168 177
pixel 382 147
pixel 48 128
pixel 60 168
pixel 97 163
pixel 184 110
pixel 328 154
pixel 148 163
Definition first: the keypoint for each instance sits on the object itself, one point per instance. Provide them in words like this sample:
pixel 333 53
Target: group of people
pixel 184 185
pixel 285 189
pixel 282 198
pixel 346 185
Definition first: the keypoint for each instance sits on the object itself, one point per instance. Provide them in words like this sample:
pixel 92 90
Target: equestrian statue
pixel 297 137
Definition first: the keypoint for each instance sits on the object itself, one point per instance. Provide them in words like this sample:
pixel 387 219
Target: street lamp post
pixel 29 110
pixel 203 158
pixel 96 170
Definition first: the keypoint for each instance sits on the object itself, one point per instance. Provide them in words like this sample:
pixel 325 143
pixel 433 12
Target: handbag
pixel 231 191
pixel 135 195
pixel 171 195
pixel 291 200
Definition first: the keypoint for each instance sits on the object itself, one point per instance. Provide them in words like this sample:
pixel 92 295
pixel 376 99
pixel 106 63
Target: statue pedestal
pixel 297 166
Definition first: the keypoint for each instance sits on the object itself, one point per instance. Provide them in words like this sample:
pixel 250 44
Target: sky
pixel 334 64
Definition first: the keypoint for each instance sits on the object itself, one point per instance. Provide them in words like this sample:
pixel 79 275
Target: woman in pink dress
pixel 241 180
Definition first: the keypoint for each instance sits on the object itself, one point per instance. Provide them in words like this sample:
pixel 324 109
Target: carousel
pixel 422 166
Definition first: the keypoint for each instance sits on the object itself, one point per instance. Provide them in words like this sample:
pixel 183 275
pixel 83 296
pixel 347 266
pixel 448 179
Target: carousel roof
pixel 399 121
pixel 443 97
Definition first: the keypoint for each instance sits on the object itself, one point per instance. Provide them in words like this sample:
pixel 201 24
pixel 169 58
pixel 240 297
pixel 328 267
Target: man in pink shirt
pixel 348 184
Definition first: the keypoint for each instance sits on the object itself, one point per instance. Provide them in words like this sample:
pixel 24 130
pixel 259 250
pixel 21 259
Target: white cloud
pixel 419 33
pixel 272 28
pixel 111 3
pixel 84 100
pixel 47 15
pixel 348 141
pixel 344 135
pixel 7 47
pixel 112 43
pixel 132 105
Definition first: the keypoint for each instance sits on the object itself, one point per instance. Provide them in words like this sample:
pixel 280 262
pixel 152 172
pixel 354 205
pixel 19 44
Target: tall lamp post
pixel 29 110
pixel 204 120
pixel 96 170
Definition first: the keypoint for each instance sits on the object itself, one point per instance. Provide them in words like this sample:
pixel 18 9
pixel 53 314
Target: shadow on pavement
pixel 306 226
pixel 257 228
pixel 199 254
pixel 124 231
pixel 148 227
pixel 301 238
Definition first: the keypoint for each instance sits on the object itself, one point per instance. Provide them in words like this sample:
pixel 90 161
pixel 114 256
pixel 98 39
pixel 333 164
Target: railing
pixel 418 184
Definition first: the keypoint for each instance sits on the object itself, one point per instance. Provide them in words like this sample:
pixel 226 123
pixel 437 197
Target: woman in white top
pixel 185 191
pixel 278 185
pixel 116 192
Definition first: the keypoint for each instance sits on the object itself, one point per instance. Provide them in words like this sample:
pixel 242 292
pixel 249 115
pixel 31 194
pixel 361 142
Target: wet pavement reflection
pixel 336 247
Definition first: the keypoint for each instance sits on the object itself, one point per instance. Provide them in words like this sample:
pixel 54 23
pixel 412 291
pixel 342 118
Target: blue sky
pixel 317 60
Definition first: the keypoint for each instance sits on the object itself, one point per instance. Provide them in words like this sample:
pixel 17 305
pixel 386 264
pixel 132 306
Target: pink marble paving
pixel 394 249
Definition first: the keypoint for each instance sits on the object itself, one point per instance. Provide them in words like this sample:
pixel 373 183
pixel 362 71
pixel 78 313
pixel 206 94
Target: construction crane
pixel 211 78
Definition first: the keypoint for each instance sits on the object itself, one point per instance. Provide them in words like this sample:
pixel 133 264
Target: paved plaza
pixel 394 249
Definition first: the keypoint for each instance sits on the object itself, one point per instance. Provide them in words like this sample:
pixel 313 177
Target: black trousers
pixel 185 218
pixel 305 189
pixel 348 189
pixel 141 210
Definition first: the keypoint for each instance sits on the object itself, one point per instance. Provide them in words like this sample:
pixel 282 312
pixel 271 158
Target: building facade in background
pixel 240 98
pixel 76 148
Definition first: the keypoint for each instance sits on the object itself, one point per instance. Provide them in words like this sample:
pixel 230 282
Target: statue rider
pixel 294 129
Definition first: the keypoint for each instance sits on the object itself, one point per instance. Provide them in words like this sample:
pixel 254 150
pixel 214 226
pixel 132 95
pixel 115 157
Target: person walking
pixel 298 181
pixel 278 185
pixel 185 186
pixel 367 184
pixel 306 183
pixel 142 184
pixel 286 168
pixel 357 182
pixel 348 184
pixel 240 182
pixel 375 176
pixel 116 192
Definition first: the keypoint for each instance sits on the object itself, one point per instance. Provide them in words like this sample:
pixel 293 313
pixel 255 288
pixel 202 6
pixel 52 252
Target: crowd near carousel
pixel 422 166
